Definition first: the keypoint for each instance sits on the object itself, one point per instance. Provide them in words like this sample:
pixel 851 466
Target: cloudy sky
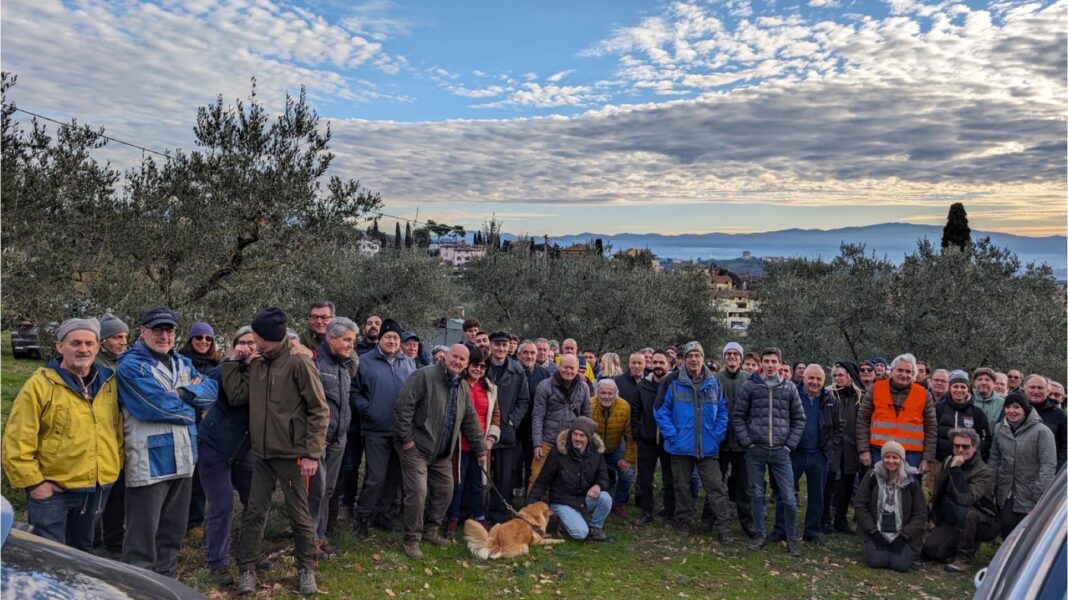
pixel 606 116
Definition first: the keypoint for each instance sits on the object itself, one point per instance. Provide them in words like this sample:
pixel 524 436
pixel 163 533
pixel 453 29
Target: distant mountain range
pixel 894 240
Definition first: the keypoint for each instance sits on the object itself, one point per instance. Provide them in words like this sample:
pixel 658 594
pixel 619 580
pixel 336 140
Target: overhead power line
pixel 106 137
pixel 415 221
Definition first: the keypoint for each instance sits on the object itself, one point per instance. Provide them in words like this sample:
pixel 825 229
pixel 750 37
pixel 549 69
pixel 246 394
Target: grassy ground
pixel 638 563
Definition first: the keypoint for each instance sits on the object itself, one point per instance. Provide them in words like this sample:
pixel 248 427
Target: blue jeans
pixel 623 479
pixel 68 517
pixel 470 481
pixel 777 461
pixel 813 465
pixel 574 523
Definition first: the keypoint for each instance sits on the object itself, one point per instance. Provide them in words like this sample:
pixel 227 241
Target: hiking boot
pixel 553 528
pixel 644 520
pixel 307 582
pixel 727 538
pixel 324 547
pixel 359 529
pixel 683 530
pixel 814 540
pixel 958 566
pixel 793 548
pixel 776 537
pixel 827 528
pixel 619 510
pixel 264 564
pixel 844 528
pixel 596 534
pixel 450 529
pixel 249 583
pixel 432 537
pixel 411 549
pixel 757 542
pixel 383 523
pixel 221 576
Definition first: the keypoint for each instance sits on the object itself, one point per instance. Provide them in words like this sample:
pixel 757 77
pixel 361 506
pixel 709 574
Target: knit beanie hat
pixel 389 325
pixel 733 346
pixel 202 328
pixel 586 425
pixel 959 376
pixel 851 368
pixel 111 325
pixel 71 325
pixel 270 324
pixel 893 447
pixel 693 347
pixel 1017 397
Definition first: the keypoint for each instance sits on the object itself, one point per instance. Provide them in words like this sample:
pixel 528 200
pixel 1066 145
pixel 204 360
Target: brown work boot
pixel 413 551
pixel 432 537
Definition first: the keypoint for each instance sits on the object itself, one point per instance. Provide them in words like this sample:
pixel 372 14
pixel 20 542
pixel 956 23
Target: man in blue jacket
pixel 768 421
pixel 692 417
pixel 378 382
pixel 160 393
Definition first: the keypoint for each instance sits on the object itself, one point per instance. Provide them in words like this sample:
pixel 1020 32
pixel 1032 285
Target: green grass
pixel 645 562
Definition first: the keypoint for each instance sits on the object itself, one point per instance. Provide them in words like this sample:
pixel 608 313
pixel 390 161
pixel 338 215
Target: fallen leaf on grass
pixel 390 593
pixel 428 571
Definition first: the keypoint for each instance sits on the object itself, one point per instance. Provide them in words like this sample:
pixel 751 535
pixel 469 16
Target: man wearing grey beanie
pixel 62 440
pixel 114 337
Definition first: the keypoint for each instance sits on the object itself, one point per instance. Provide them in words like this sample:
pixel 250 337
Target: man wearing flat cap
pixel 63 440
pixel 513 398
pixel 288 419
pixel 378 382
pixel 160 393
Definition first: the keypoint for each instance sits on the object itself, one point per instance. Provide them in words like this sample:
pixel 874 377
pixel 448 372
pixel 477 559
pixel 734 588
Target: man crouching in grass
pixel 575 475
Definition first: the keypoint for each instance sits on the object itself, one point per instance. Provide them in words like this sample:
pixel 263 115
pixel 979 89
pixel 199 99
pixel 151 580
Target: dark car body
pixel 34 567
pixel 25 341
pixel 1032 562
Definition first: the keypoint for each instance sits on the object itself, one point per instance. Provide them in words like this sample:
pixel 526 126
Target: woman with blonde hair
pixel 610 366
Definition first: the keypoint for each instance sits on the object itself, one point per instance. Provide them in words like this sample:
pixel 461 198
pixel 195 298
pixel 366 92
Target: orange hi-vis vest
pixel 905 427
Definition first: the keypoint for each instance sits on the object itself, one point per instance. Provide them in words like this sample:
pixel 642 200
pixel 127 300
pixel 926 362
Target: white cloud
pixel 556 77
pixel 141 69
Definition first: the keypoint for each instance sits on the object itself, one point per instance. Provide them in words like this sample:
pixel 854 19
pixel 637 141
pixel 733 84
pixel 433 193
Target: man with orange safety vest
pixel 901 410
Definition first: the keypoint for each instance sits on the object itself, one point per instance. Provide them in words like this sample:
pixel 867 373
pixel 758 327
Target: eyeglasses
pixel 962 446
pixel 164 329
pixel 319 318
pixel 245 343
pixel 479 366
pixel 201 338
pixel 867 370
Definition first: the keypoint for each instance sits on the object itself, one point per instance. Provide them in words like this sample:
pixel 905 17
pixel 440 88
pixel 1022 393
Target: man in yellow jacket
pixel 63 441
pixel 612 415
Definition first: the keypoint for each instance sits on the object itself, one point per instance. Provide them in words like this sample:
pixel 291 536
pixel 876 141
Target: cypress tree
pixel 408 235
pixel 956 232
pixel 397 236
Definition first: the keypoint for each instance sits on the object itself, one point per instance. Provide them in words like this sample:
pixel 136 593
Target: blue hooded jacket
pixel 692 417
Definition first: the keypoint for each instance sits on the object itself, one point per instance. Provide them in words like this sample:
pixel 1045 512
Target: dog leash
pixel 512 511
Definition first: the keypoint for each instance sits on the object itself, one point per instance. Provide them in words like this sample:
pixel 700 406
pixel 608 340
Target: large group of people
pixel 126 448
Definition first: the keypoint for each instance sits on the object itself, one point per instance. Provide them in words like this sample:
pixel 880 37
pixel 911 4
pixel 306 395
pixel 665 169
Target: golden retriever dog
pixel 513 538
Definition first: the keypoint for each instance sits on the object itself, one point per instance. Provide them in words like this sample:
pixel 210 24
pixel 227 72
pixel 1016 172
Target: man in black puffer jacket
pixel 651 445
pixel 768 419
pixel 514 401
pixel 575 477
